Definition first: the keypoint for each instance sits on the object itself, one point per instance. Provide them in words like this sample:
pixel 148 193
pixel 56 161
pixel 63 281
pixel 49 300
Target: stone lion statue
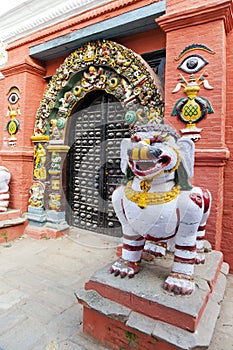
pixel 158 208
pixel 4 188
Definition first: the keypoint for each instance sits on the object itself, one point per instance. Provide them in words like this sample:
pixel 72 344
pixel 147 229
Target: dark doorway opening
pixel 96 128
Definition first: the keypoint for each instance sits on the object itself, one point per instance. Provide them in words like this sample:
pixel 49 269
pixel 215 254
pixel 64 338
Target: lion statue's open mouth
pixel 147 159
pixel 149 167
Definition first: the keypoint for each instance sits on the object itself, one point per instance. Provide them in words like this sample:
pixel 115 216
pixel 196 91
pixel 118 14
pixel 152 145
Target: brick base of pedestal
pixel 38 232
pixel 12 225
pixel 117 335
pixel 138 314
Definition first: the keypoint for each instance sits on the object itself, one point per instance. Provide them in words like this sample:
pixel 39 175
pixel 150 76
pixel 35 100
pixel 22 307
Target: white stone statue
pixel 158 208
pixel 4 188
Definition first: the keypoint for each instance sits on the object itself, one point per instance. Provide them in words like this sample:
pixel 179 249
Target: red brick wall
pixel 212 150
pixel 27 75
pixel 213 134
pixel 151 40
pixel 227 240
pixel 207 174
pixel 181 5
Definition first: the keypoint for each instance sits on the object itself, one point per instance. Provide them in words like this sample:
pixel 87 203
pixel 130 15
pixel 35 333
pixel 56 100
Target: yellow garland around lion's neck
pixel 150 198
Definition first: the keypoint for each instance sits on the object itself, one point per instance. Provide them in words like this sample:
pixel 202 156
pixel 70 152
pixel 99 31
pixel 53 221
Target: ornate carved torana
pixel 99 65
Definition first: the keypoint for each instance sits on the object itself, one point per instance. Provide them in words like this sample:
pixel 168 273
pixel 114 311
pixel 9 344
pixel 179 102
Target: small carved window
pixel 156 60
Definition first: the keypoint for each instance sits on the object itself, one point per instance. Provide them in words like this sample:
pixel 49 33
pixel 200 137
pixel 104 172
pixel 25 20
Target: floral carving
pixel 99 65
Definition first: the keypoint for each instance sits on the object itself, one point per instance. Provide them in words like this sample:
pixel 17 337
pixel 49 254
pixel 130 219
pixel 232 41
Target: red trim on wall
pixel 222 10
pixel 96 15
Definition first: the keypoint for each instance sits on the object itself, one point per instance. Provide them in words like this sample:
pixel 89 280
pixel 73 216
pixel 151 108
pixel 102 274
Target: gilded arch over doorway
pixel 101 64
pixel 98 65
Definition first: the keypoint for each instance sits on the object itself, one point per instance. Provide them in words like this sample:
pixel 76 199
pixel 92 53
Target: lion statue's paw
pixel 124 268
pixel 200 257
pixel 155 249
pixel 179 285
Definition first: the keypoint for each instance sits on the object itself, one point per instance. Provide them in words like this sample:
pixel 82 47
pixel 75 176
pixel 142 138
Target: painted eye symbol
pixel 13 97
pixel 192 64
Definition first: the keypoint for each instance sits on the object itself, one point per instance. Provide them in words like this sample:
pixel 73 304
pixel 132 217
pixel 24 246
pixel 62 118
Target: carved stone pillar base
pixel 46 224
pixel 36 216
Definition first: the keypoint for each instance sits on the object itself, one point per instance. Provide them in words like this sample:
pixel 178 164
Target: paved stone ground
pixel 38 279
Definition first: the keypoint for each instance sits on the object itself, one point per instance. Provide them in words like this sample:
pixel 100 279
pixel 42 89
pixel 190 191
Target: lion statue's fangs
pixel 158 208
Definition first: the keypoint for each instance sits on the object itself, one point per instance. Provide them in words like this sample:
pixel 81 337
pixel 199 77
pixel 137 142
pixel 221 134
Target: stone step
pixel 10 214
pixel 12 222
pixel 12 225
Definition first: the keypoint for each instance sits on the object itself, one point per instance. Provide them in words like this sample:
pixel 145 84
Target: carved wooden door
pixel 93 163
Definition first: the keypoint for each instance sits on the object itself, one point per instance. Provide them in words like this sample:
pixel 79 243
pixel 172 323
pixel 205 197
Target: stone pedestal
pixel 12 225
pixel 46 224
pixel 36 216
pixel 139 314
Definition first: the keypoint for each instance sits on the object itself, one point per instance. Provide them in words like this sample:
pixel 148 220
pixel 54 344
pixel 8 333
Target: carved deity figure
pixel 37 195
pixel 158 208
pixel 39 161
pixel 4 188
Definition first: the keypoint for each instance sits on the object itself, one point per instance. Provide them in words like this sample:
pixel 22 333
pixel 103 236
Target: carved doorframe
pixel 100 64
